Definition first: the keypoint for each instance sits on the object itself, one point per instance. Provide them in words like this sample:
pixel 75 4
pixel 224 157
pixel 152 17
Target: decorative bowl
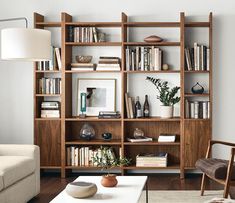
pixel 153 39
pixel 83 59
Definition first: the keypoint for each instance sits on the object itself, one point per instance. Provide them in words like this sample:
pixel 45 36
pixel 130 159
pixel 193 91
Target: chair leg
pixel 226 189
pixel 203 183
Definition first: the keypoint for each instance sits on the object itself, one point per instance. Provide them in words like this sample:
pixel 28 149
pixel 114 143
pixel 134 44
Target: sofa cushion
pixel 15 168
pixel 216 168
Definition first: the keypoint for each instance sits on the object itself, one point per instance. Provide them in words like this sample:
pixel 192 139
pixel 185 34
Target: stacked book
pixel 197 109
pixel 83 66
pixel 166 138
pixel 197 58
pixel 109 114
pixel 50 109
pixel 109 63
pixel 50 86
pixel 83 156
pixel 129 106
pixel 83 34
pixel 140 139
pixel 143 58
pixel 54 63
pixel 152 160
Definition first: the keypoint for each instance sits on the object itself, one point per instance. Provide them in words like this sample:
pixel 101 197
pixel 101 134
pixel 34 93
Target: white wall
pixel 16 79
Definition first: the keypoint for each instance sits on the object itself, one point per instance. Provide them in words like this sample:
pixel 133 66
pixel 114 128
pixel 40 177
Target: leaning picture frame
pixel 100 95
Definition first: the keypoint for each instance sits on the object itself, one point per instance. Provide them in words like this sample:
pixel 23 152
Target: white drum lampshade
pixel 25 44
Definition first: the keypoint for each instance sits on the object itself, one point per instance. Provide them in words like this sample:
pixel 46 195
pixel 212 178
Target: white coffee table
pixel 128 190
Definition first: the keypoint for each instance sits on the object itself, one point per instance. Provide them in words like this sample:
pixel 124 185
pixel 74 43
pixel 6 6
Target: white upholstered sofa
pixel 19 173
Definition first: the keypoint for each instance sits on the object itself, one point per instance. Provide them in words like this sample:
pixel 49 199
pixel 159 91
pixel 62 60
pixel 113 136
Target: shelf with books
pixel 153 24
pixel 153 119
pixel 197 119
pixel 153 143
pixel 151 44
pixel 94 142
pixel 93 118
pixel 196 95
pixel 197 24
pixel 153 71
pixel 197 71
pixel 48 71
pixel 48 119
pixel 95 24
pixel 93 71
pixel 93 43
pixel 132 167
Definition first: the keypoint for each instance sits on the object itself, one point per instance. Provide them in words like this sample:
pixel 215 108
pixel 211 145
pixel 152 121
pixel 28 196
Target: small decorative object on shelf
pixel 197 89
pixel 50 109
pixel 109 63
pixel 107 136
pixel 81 189
pixel 83 105
pixel 153 38
pixel 166 96
pixel 83 59
pixel 106 161
pixel 165 66
pixel 109 114
pixel 87 132
pixel 138 113
pixel 146 107
pixel 138 133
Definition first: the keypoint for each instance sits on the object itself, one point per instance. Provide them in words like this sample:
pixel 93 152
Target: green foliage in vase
pixel 106 159
pixel 167 96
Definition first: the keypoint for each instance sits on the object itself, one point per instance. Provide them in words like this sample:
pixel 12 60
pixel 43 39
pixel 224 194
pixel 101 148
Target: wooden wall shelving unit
pixel 54 135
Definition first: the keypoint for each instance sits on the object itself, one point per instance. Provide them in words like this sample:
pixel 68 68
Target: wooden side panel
pixel 48 139
pixel 197 134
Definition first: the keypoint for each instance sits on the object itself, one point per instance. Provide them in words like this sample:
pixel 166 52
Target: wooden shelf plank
pixel 153 71
pixel 91 167
pixel 48 95
pixel 95 71
pixel 50 167
pixel 152 24
pixel 153 143
pixel 93 142
pixel 93 43
pixel 197 24
pixel 95 24
pixel 197 71
pixel 174 166
pixel 153 119
pixel 49 24
pixel 93 118
pixel 152 44
pixel 48 71
pixel 197 119
pixel 47 119
pixel 196 95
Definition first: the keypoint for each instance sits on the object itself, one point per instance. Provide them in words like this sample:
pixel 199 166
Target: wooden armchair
pixel 221 171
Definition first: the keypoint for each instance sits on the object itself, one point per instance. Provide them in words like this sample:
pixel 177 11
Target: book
pixel 131 107
pixel 82 69
pixel 82 64
pixel 127 105
pixel 58 58
pixel 140 139
pixel 166 138
pixel 152 160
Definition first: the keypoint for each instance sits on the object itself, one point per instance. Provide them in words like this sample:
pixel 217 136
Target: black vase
pixel 197 89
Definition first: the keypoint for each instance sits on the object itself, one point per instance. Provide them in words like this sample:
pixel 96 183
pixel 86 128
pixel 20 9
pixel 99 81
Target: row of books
pixel 50 86
pixel 152 160
pixel 144 58
pixel 197 109
pixel 50 109
pixel 54 63
pixel 161 138
pixel 130 108
pixel 83 156
pixel 197 58
pixel 109 63
pixel 83 34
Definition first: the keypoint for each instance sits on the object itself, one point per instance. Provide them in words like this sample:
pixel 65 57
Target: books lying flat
pixel 50 113
pixel 140 139
pixel 166 138
pixel 83 68
pixel 152 160
pixel 82 64
pixel 109 114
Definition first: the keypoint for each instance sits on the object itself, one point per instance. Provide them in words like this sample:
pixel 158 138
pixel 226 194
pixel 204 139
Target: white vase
pixel 166 111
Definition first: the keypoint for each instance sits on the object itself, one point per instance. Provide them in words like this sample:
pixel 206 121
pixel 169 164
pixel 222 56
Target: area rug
pixel 183 196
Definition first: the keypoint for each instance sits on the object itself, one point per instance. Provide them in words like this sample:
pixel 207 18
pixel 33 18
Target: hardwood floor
pixel 52 184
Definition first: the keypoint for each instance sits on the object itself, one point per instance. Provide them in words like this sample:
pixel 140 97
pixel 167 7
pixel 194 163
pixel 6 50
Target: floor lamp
pixel 25 44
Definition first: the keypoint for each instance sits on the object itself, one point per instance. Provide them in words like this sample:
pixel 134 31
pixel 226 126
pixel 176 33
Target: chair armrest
pixel 212 142
pixel 31 151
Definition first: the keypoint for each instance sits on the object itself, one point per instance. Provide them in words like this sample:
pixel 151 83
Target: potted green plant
pixel 167 96
pixel 107 160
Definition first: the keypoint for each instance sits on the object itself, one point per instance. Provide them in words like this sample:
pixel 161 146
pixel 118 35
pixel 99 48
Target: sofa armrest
pixel 31 151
